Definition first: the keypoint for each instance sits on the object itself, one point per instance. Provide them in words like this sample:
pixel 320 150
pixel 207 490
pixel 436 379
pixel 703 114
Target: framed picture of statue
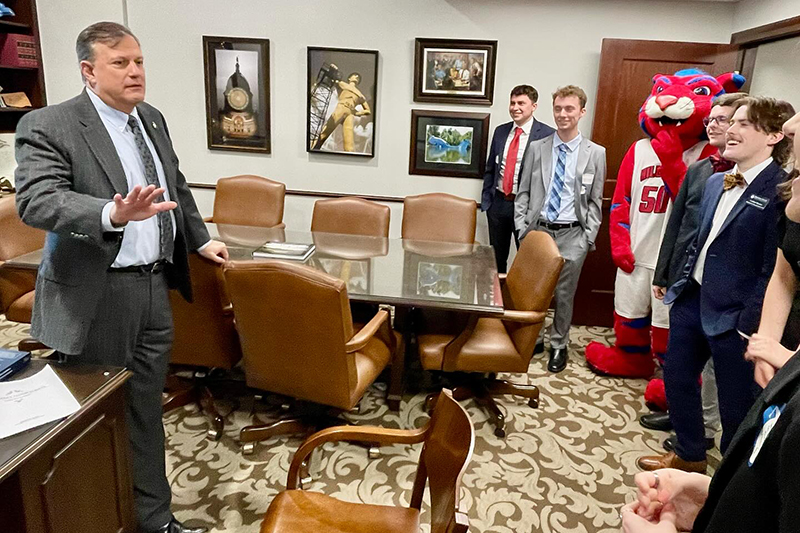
pixel 237 94
pixel 341 104
pixel 451 144
pixel 454 71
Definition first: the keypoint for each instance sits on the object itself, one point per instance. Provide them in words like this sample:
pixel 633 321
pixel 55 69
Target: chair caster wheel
pixel 306 481
pixel 213 434
pixel 533 402
pixel 248 448
pixel 500 432
pixel 374 452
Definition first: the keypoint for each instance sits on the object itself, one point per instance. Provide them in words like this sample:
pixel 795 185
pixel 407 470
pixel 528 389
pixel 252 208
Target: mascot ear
pixel 731 81
pixel 655 78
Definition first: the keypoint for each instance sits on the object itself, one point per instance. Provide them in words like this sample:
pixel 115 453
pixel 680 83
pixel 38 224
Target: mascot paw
pixel 655 396
pixel 624 261
pixel 615 362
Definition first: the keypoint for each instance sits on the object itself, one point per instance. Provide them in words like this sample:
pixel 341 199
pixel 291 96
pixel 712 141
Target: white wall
pixel 773 62
pixel 545 43
pixel 753 13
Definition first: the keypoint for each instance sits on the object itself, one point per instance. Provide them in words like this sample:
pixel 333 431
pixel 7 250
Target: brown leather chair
pixel 205 340
pixel 249 201
pixel 505 344
pixel 298 340
pixel 351 215
pixel 16 286
pixel 449 440
pixel 439 217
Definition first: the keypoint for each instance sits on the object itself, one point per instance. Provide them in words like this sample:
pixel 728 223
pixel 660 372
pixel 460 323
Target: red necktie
pixel 511 162
pixel 720 164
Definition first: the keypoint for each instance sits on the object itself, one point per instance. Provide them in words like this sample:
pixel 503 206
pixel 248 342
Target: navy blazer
pixel 492 173
pixel 740 261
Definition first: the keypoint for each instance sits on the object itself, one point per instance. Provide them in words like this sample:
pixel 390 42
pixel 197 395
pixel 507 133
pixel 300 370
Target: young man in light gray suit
pixel 99 174
pixel 561 193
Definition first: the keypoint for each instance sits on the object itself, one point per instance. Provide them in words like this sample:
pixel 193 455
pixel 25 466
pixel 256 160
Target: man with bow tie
pixel 717 300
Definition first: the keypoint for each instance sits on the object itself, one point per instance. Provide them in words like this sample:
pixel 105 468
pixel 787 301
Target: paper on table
pixel 31 402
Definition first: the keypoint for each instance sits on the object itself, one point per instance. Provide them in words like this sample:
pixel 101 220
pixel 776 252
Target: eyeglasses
pixel 719 121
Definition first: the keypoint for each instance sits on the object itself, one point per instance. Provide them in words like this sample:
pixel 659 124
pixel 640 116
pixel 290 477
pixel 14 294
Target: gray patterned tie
pixel 166 241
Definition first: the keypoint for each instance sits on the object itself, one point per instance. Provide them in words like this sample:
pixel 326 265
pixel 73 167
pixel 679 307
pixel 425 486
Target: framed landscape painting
pixel 454 71
pixel 342 88
pixel 448 144
pixel 237 94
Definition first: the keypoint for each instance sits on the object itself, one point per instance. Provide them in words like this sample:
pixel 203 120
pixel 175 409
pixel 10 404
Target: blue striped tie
pixel 554 203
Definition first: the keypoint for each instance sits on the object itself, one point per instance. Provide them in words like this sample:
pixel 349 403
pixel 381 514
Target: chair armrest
pixel 361 338
pixel 351 434
pixel 208 219
pixel 527 317
pixel 280 225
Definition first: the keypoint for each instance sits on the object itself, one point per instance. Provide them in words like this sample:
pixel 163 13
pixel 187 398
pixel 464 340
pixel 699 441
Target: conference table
pixel 401 273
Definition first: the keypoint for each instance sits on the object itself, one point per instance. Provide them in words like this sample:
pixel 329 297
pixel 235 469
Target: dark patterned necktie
pixel 166 242
pixel 733 180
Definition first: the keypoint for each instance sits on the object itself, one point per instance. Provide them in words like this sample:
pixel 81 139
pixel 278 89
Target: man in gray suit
pixel 561 193
pixel 99 174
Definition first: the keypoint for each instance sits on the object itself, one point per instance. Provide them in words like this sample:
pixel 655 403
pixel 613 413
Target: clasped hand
pixel 769 356
pixel 668 501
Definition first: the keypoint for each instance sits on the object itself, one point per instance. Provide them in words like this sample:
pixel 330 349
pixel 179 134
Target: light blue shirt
pixel 566 211
pixel 140 242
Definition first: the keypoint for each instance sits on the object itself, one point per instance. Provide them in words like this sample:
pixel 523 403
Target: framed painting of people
pixel 237 94
pixel 451 144
pixel 341 104
pixel 454 71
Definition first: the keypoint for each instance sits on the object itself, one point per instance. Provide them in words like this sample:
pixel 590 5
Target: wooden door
pixel 625 79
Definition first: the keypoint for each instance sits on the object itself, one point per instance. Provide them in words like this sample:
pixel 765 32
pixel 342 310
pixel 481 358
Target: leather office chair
pixel 449 440
pixel 505 344
pixel 16 286
pixel 205 337
pixel 249 201
pixel 351 215
pixel 298 340
pixel 439 217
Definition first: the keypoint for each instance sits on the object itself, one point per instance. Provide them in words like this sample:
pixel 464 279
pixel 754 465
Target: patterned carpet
pixel 564 467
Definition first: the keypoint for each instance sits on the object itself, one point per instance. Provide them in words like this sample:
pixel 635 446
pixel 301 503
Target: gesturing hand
pixel 139 204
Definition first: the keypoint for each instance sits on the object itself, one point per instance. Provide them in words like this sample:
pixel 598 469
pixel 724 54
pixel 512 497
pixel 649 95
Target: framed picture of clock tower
pixel 237 94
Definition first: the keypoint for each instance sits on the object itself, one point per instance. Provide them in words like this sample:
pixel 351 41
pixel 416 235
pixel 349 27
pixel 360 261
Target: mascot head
pixel 683 100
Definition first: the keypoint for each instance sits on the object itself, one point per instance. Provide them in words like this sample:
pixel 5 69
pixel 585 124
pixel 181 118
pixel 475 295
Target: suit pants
pixel 688 350
pixel 133 328
pixel 500 217
pixel 573 246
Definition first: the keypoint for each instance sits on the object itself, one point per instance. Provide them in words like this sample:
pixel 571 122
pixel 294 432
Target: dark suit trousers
pixel 500 216
pixel 133 328
pixel 689 349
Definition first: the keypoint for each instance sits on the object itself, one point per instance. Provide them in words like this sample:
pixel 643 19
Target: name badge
pixel 587 179
pixel 759 202
pixel 768 421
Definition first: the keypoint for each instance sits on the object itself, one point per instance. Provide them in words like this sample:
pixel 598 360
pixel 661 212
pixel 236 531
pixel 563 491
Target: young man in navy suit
pixel 501 179
pixel 717 301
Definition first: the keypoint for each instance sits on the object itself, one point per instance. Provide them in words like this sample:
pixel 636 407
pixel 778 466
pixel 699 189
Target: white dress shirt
pixel 724 207
pixel 566 211
pixel 140 243
pixel 523 143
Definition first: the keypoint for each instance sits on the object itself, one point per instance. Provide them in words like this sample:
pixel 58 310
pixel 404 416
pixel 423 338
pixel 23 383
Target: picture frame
pixel 341 101
pixel 237 86
pixel 454 71
pixel 445 143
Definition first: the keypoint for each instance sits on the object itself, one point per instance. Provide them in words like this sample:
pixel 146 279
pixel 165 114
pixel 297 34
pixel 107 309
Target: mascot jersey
pixel 651 204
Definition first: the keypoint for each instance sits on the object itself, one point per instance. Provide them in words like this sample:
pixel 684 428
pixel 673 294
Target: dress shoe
pixel 656 421
pixel 670 442
pixel 176 527
pixel 539 348
pixel 671 460
pixel 558 360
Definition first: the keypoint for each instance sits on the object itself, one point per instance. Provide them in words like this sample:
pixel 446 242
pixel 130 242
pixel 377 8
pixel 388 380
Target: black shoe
pixel 539 348
pixel 176 527
pixel 670 442
pixel 558 360
pixel 657 421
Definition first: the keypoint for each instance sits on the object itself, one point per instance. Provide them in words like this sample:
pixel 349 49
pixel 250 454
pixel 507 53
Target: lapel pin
pixel 154 126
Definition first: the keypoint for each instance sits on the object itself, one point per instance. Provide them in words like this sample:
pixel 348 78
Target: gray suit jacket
pixel 534 181
pixel 68 169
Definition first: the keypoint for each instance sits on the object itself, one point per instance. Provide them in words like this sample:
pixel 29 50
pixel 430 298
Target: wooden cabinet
pixel 72 475
pixel 21 79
